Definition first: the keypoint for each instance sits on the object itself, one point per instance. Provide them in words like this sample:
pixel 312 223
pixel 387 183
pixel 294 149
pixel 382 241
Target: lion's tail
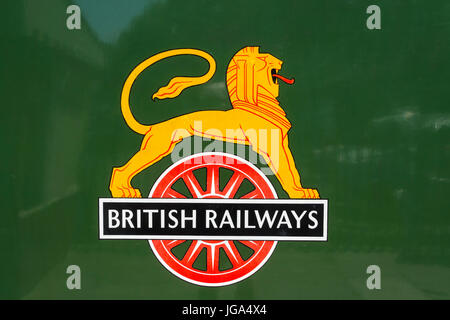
pixel 172 90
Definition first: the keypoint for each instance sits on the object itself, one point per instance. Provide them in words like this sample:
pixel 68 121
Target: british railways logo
pixel 213 218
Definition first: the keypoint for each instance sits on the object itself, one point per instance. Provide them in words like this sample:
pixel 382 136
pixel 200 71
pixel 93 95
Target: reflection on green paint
pixel 371 122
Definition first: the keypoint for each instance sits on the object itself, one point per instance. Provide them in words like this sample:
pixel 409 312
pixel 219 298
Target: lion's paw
pixel 305 194
pixel 125 192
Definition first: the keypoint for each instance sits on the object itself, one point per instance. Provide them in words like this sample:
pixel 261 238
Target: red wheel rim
pixel 212 274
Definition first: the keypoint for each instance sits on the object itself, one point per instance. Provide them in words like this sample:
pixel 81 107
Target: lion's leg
pixel 157 143
pixel 278 156
pixel 288 173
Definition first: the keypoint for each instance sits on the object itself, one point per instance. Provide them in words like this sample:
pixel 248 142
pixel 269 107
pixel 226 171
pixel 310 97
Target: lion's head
pixel 251 73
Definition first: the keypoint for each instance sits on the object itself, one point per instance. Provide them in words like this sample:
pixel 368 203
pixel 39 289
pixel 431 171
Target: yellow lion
pixel 252 82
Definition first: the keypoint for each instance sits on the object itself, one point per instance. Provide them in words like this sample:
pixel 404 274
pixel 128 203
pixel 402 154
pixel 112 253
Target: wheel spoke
pixel 233 185
pixel 212 259
pixel 170 193
pixel 212 180
pixel 255 194
pixel 194 187
pixel 254 245
pixel 192 253
pixel 233 253
pixel 173 243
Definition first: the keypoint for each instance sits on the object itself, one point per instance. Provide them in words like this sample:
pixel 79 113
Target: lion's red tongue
pixel 286 80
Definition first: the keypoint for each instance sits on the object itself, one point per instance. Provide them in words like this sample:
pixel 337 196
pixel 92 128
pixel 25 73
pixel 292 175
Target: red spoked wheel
pixel 214 176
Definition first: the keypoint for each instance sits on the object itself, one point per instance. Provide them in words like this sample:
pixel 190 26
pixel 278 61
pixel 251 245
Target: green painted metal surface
pixel 371 123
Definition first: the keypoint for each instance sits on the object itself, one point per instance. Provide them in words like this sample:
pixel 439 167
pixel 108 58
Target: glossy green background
pixel 371 123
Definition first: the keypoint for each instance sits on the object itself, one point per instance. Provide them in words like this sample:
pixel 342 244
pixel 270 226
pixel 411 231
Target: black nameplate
pixel 213 219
